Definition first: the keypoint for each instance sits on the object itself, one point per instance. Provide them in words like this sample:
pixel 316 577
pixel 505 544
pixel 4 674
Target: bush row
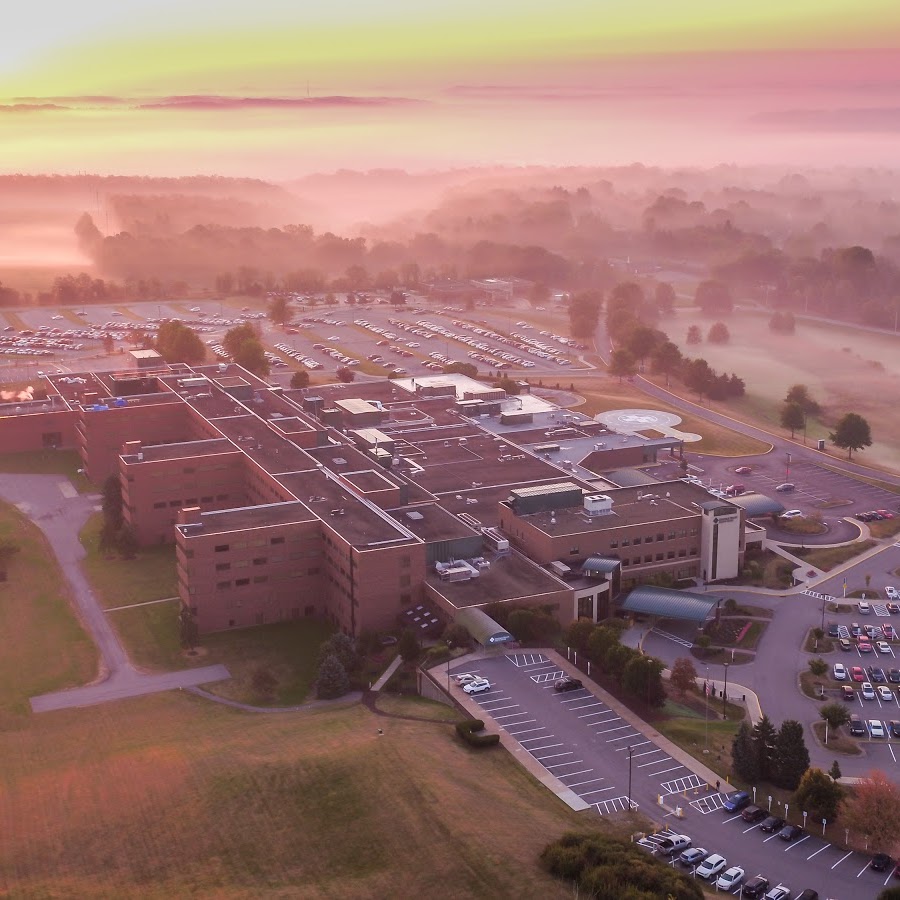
pixel 467 731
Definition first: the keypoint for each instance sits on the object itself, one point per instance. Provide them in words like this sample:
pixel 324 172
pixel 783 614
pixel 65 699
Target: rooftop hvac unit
pixel 598 505
pixel 560 568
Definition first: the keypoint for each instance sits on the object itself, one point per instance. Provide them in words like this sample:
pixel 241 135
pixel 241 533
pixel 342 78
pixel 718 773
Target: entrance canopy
pixel 669 604
pixel 482 627
pixel 757 505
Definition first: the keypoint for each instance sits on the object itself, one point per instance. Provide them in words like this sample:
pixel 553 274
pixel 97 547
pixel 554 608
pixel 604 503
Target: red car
pixel 885 513
pixel 864 646
pixel 857 674
pixel 889 632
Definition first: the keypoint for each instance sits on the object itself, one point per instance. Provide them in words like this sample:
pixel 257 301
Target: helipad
pixel 630 421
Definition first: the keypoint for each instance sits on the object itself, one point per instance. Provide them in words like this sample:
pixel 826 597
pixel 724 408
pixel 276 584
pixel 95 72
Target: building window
pixel 682 553
pixel 314 571
pixel 694 551
pixel 659 556
pixel 260 579
pixel 160 505
pixel 405 581
pixel 174 503
pixel 277 540
pixel 626 542
pixel 573 551
pixel 223 567
pixel 242 582
pixel 221 548
pixel 648 558
pixel 405 562
pixel 223 585
pixel 660 537
pixel 208 499
pixel 260 561
pixel 637 540
pixel 613 545
pixel 671 535
pixel 405 599
pixel 637 560
pixel 670 554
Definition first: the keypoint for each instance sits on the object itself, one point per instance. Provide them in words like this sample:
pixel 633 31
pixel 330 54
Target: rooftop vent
pixel 598 505
pixel 415 516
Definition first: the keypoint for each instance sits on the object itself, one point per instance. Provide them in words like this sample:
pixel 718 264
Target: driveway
pixel 51 503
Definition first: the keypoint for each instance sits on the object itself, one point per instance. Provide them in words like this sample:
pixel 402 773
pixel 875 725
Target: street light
pixel 725 695
pixel 706 690
pixel 630 752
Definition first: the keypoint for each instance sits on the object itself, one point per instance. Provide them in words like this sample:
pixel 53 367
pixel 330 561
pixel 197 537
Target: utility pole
pixel 630 753
pixel 725 695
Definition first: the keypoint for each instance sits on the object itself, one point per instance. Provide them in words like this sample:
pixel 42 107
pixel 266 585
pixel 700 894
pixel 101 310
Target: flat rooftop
pixel 509 578
pixel 666 501
pixel 266 448
pixel 186 450
pixel 228 520
pixel 432 523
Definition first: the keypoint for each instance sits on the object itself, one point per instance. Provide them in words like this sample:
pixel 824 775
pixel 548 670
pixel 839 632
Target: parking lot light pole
pixel 725 695
pixel 630 753
pixel 706 690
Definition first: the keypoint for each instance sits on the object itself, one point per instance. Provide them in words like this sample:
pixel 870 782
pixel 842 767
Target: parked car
pixel 881 862
pixel 732 877
pixel 885 693
pixel 779 892
pixel 567 684
pixel 790 832
pixel 465 678
pixel 894 728
pixel 863 607
pixel 786 487
pixel 863 645
pixel 848 693
pixel 755 887
pixel 868 692
pixel 845 645
pixel 808 894
pixel 743 470
pixel 692 857
pixel 857 674
pixel 876 729
pixel 476 687
pixel 894 676
pixel 857 729
pixel 736 801
pixel 855 629
pixel 893 608
pixel 672 844
pixel 791 514
pixel 833 629
pixel 882 646
pixel 888 631
pixel 840 672
pixel 772 825
pixel 876 675
pixel 891 592
pixel 753 814
pixel 711 866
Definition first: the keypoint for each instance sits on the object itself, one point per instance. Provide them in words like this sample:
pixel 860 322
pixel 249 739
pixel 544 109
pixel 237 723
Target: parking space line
pixel 890 747
pixel 571 762
pixel 655 762
pixel 598 791
pixel 796 843
pixel 751 828
pixel 647 753
pixel 525 722
pixel 533 750
pixel 554 755
pixel 641 744
pixel 602 712
pixel 498 708
pixel 665 771
pixel 624 737
pixel 818 851
pixel 772 838
pixel 733 818
pixel 495 700
pixel 525 731
pixel 508 715
pixel 610 730
pixel 579 783
pixel 586 705
pixel 863 869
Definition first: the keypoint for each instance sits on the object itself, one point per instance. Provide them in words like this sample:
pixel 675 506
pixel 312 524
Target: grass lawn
pixel 170 796
pixel 150 575
pixel 44 647
pixel 693 734
pixel 837 740
pixel 829 557
pixel 417 706
pixel 811 685
pixel 47 462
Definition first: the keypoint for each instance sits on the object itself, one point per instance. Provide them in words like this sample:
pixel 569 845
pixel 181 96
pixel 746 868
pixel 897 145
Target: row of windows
pixel 242 545
pixel 649 557
pixel 241 582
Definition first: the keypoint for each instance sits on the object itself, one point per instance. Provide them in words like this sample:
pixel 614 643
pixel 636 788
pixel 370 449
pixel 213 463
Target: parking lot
pixel 578 738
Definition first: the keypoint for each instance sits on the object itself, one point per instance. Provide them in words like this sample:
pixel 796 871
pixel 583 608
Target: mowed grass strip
pixel 170 796
pixel 47 462
pixel 45 647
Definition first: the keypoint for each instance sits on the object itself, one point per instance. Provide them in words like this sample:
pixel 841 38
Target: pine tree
pixel 818 795
pixel 744 756
pixel 790 758
pixel 332 680
pixel 764 735
pixel 835 771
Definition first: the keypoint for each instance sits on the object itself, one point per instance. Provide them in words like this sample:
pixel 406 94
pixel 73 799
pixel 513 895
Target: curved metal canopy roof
pixel 757 505
pixel 669 604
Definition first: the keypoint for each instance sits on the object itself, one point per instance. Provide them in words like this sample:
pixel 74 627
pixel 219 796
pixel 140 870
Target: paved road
pixel 54 506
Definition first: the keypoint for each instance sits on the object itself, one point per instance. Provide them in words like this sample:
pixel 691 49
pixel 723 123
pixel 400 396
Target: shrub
pixel 468 729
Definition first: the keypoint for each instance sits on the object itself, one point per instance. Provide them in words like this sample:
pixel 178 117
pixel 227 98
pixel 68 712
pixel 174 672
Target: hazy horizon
pixel 277 93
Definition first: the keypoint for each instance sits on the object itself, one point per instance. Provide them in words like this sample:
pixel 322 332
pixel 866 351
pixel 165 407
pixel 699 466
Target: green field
pixel 47 462
pixel 44 646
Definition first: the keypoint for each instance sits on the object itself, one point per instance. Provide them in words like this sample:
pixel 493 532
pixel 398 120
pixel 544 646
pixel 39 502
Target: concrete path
pixel 49 502
pixel 346 700
pixel 396 662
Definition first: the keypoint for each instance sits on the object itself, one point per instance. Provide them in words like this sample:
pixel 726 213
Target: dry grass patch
pixel 837 741
pixel 170 796
pixel 417 706
pixel 44 646
pixel 829 557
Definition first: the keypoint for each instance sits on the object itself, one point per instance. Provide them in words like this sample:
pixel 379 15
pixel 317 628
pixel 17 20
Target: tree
pixel 126 542
pixel 818 795
pixel 538 294
pixel 793 417
pixel 189 632
pixel 456 635
pixel 790 758
pixel 764 735
pixel 112 502
pixel 835 714
pixel 300 379
pixel 665 298
pixel 622 364
pixel 683 676
pixel 744 754
pixel 252 356
pixel 818 666
pixel 891 893
pixel 835 771
pixel 873 809
pixel 666 359
pixel 799 393
pixel 279 310
pixel 263 682
pixel 462 368
pixel 694 335
pixel 345 374
pixel 703 643
pixel 852 433
pixel 343 647
pixel 178 343
pixel 332 679
pixel 714 297
pixel 718 333
pixel 578 634
pixel 584 313
pixel 236 336
pixel 408 645
pixel 642 678
pixel 783 322
pixel 601 639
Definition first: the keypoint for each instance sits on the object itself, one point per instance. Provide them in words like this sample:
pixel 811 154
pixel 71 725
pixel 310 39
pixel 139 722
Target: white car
pixel 882 647
pixel 465 678
pixel 779 892
pixel 864 607
pixel 885 693
pixel 840 672
pixel 711 866
pixel 891 592
pixel 868 692
pixel 477 686
pixel 791 514
pixel 876 729
pixel 730 879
